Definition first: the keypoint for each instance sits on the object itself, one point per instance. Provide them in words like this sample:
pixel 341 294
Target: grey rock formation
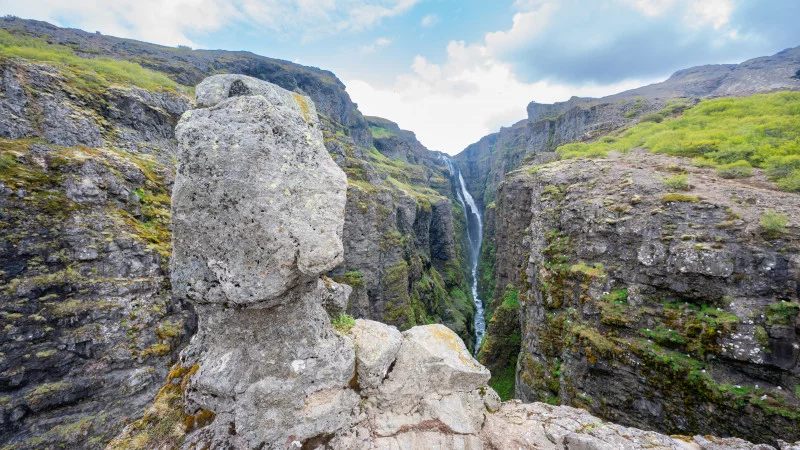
pixel 376 346
pixel 253 169
pixel 258 210
pixel 652 312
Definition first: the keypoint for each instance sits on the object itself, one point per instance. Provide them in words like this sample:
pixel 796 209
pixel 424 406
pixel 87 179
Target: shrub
pixel 791 183
pixel 343 323
pixel 654 117
pixel 676 198
pixel 774 223
pixel 704 162
pixel 677 182
pixel 778 167
pixel 738 169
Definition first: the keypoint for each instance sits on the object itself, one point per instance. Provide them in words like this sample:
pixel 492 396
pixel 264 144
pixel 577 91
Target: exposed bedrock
pixel 267 370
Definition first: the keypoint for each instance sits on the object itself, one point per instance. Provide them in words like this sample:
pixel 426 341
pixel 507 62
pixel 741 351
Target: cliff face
pixel 89 322
pixel 88 163
pixel 654 309
pixel 268 368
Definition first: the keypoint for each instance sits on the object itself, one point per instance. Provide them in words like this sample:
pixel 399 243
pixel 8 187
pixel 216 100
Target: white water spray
pixel 475 238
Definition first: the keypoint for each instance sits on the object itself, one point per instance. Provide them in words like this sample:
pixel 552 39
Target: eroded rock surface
pixel 273 373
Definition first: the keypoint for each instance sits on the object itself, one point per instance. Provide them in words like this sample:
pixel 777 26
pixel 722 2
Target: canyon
pixel 392 296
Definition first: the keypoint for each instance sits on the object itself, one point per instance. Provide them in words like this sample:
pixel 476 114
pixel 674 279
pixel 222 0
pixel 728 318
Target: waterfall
pixel 475 238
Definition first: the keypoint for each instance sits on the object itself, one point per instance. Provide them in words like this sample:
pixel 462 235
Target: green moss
pixel 165 423
pixel 678 198
pixel 761 336
pixel 45 391
pixel 782 313
pixel 502 382
pixel 594 271
pixel 380 132
pixel 343 323
pixel 353 278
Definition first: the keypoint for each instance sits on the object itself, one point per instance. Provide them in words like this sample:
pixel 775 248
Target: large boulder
pixel 258 204
pixel 258 211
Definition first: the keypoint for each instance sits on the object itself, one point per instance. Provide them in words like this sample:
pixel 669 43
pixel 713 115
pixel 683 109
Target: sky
pixel 454 71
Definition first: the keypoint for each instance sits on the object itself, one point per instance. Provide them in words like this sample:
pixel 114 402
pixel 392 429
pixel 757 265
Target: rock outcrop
pixel 87 165
pixel 654 309
pixel 270 370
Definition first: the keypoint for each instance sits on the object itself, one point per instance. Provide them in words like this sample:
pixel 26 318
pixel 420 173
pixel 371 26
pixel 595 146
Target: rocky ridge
pixel 268 370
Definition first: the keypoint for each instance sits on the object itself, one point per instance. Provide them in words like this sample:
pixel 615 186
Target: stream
pixel 475 238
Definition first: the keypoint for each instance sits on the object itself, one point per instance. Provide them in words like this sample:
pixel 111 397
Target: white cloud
pixel 452 105
pixel 380 42
pixel 430 20
pixel 697 14
pixel 170 22
pixel 527 25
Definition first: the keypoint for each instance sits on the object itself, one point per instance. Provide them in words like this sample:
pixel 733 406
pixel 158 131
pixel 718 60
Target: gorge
pixel 205 242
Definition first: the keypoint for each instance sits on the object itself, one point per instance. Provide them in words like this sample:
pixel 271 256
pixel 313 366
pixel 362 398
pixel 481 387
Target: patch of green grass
pixel 91 71
pixel 677 183
pixel 782 313
pixel 380 132
pixel 352 278
pixel 761 130
pixel 343 323
pixel 679 198
pixel 503 382
pixel 774 223
pixel 594 271
pixel 619 296
pixel 737 169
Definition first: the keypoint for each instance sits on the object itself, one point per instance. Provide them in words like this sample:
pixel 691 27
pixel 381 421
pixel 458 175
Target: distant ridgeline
pixel 87 162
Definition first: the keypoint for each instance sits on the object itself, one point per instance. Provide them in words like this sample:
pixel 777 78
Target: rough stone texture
pixel 275 375
pixel 89 323
pixel 678 329
pixel 546 427
pixel 376 346
pixel 254 169
pixel 258 210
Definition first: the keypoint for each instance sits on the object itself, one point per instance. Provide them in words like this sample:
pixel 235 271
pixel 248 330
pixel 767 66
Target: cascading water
pixel 475 238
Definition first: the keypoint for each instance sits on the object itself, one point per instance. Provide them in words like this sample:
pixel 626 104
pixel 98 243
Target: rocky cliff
pixel 268 368
pixel 88 162
pixel 676 311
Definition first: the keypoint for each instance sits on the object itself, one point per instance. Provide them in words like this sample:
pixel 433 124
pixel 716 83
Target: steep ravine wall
pixel 85 182
pixel 269 368
pixel 678 313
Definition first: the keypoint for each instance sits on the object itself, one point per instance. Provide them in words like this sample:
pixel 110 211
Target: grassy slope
pixel 731 134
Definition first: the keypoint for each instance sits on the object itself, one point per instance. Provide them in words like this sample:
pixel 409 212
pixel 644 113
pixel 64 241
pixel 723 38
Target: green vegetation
pixel 678 198
pixel 380 132
pixel 782 313
pixel 594 271
pixel 761 130
pixel 165 424
pixel 91 72
pixel 773 223
pixel 352 278
pixel 737 169
pixel 343 323
pixel 501 345
pixel 677 183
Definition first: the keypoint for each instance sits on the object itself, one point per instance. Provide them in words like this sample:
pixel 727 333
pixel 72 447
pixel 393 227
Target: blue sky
pixel 455 70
